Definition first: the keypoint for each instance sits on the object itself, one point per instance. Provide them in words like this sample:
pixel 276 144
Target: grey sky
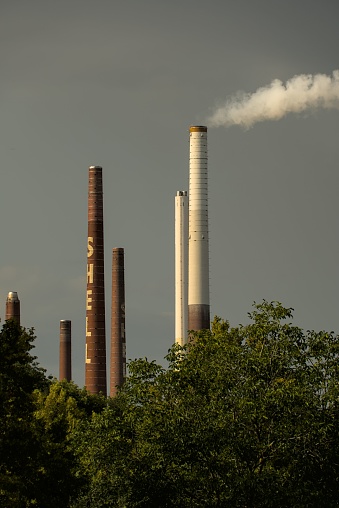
pixel 117 84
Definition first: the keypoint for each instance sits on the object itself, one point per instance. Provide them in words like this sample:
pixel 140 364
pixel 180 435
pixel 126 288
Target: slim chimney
pixel 95 367
pixel 65 357
pixel 13 306
pixel 181 267
pixel 198 249
pixel 118 336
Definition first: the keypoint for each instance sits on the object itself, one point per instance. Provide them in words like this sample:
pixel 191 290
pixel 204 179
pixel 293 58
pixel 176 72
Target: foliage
pixel 243 417
pixel 20 375
pixel 58 413
pixel 37 418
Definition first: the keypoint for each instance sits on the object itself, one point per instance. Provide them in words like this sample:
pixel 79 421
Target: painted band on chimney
pixel 95 367
pixel 181 267
pixel 65 356
pixel 198 248
pixel 118 334
pixel 13 306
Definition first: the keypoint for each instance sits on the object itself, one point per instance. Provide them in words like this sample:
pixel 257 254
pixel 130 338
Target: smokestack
pixel 65 358
pixel 118 336
pixel 181 267
pixel 13 306
pixel 95 367
pixel 198 249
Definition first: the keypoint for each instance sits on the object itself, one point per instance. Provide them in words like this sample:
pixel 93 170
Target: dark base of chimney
pixel 199 317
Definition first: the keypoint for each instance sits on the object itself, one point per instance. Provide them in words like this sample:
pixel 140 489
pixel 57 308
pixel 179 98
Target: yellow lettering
pixel 90 273
pixel 88 333
pixel 90 248
pixel 88 360
pixel 88 300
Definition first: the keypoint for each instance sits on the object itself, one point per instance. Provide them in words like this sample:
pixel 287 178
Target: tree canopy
pixel 20 375
pixel 243 417
pixel 37 418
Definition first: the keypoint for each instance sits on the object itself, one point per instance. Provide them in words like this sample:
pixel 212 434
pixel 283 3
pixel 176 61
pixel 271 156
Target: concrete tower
pixel 198 249
pixel 181 267
pixel 65 356
pixel 13 306
pixel 118 336
pixel 95 369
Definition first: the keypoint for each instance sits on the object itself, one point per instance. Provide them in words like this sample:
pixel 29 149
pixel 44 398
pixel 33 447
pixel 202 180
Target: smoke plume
pixel 277 99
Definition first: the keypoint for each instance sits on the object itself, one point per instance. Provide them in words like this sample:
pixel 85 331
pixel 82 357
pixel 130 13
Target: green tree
pixel 58 413
pixel 37 419
pixel 244 417
pixel 20 375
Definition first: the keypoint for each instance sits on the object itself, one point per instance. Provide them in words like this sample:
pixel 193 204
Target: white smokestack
pixel 181 267
pixel 198 250
pixel 277 99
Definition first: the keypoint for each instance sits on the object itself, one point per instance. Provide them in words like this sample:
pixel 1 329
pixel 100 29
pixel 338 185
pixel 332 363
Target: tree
pixel 58 413
pixel 20 375
pixel 37 418
pixel 244 417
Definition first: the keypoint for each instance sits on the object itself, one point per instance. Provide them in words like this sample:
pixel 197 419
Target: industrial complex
pixel 192 305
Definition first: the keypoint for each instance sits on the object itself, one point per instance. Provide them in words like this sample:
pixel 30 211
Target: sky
pixel 118 84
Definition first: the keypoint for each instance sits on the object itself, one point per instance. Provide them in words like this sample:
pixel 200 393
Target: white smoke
pixel 275 100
